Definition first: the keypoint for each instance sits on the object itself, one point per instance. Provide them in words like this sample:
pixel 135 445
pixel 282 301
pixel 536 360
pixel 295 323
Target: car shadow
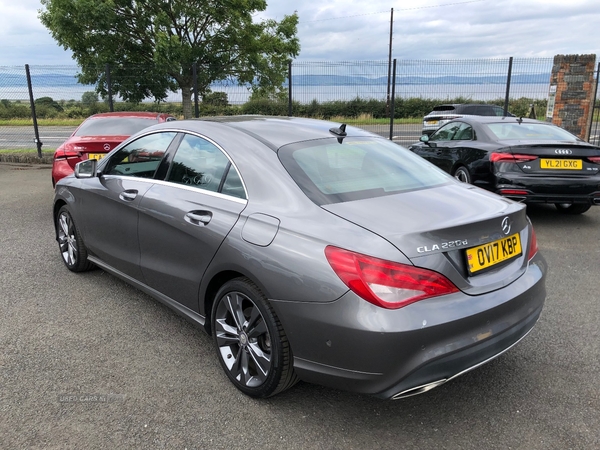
pixel 547 214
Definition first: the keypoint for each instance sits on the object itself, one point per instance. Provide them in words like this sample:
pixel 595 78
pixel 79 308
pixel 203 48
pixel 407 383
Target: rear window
pixel 332 172
pixel 113 126
pixel 530 131
pixel 443 108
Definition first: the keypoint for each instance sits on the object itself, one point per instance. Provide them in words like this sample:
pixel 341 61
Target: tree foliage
pixel 151 45
pixel 47 102
pixel 89 99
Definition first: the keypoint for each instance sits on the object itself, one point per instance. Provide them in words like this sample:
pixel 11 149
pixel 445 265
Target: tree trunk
pixel 186 101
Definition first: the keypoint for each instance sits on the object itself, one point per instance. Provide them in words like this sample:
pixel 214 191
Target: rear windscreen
pixel 444 108
pixel 114 126
pixel 332 172
pixel 530 131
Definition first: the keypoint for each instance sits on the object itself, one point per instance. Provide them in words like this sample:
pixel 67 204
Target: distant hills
pixel 46 80
pixel 38 80
pixel 341 80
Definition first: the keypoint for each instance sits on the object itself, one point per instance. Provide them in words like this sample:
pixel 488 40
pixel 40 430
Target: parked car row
pixel 315 251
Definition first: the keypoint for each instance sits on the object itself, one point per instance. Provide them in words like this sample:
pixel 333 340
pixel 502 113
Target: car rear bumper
pixel 352 345
pixel 550 189
pixel 60 169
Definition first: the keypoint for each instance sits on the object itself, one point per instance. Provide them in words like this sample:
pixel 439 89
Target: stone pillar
pixel 571 96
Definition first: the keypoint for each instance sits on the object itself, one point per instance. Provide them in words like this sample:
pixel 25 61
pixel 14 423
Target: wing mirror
pixel 86 169
pixel 425 139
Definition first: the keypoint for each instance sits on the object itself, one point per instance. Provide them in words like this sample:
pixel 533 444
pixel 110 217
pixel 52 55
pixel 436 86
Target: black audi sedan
pixel 522 159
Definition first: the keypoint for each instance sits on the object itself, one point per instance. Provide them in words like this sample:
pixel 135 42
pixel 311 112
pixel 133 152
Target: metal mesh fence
pixel 473 80
pixel 420 85
pixel 357 91
pixel 339 81
pixel 14 101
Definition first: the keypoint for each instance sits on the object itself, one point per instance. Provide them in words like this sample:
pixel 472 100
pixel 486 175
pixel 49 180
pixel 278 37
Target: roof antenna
pixel 340 132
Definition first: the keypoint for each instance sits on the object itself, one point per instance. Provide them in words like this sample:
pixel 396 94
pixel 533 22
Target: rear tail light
pixel 594 159
pixel 510 192
pixel 510 158
pixel 66 154
pixel 71 155
pixel 438 118
pixel 384 283
pixel 533 245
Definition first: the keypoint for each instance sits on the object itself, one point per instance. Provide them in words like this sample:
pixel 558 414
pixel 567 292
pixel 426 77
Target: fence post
pixel 387 103
pixel 393 101
pixel 195 78
pixel 111 107
pixel 290 88
pixel 38 143
pixel 510 61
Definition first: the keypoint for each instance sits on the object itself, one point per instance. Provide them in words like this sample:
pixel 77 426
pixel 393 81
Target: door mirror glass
pixel 86 169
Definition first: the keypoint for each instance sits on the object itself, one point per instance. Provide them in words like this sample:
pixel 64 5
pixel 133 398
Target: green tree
pixel 47 102
pixel 89 99
pixel 215 98
pixel 164 38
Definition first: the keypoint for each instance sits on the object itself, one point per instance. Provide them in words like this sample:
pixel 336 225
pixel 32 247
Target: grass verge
pixel 41 122
pixel 26 151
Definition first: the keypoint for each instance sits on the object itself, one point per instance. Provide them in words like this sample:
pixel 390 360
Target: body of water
pixel 305 94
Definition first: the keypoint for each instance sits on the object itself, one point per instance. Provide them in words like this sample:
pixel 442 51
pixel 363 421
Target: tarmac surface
pixel 23 137
pixel 87 361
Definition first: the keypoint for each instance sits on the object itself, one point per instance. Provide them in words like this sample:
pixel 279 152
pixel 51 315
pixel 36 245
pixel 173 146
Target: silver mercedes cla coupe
pixel 308 250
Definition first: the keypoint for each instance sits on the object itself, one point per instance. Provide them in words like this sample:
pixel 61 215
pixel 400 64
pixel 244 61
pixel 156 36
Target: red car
pixel 99 134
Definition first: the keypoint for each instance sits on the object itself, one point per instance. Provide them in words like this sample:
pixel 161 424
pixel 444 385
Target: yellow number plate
pixel 568 164
pixel 97 156
pixel 487 255
pixel 432 122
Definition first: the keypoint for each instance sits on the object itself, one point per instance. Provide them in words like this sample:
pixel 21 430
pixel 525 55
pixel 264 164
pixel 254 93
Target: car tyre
pixel 572 208
pixel 462 174
pixel 250 341
pixel 70 243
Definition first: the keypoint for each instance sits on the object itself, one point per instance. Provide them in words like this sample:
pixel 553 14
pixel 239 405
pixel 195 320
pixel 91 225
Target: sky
pixel 359 30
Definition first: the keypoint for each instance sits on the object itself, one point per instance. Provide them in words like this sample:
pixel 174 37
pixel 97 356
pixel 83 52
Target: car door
pixel 185 218
pixel 109 204
pixel 441 146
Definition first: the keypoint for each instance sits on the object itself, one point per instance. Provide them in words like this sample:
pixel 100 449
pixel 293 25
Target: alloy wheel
pixel 462 174
pixel 67 239
pixel 243 339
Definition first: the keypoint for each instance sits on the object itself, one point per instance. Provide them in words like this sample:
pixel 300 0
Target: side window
pixel 198 163
pixel 498 111
pixel 483 110
pixel 141 157
pixel 446 133
pixel 233 184
pixel 464 133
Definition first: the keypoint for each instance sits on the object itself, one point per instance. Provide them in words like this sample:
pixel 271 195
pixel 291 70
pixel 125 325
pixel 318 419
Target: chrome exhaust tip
pixel 596 201
pixel 418 390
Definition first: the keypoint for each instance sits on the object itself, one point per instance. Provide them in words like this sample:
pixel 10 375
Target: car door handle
pixel 128 195
pixel 198 217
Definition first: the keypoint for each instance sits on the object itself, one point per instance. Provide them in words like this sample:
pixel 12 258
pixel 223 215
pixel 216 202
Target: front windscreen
pixel 529 131
pixel 329 171
pixel 114 126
